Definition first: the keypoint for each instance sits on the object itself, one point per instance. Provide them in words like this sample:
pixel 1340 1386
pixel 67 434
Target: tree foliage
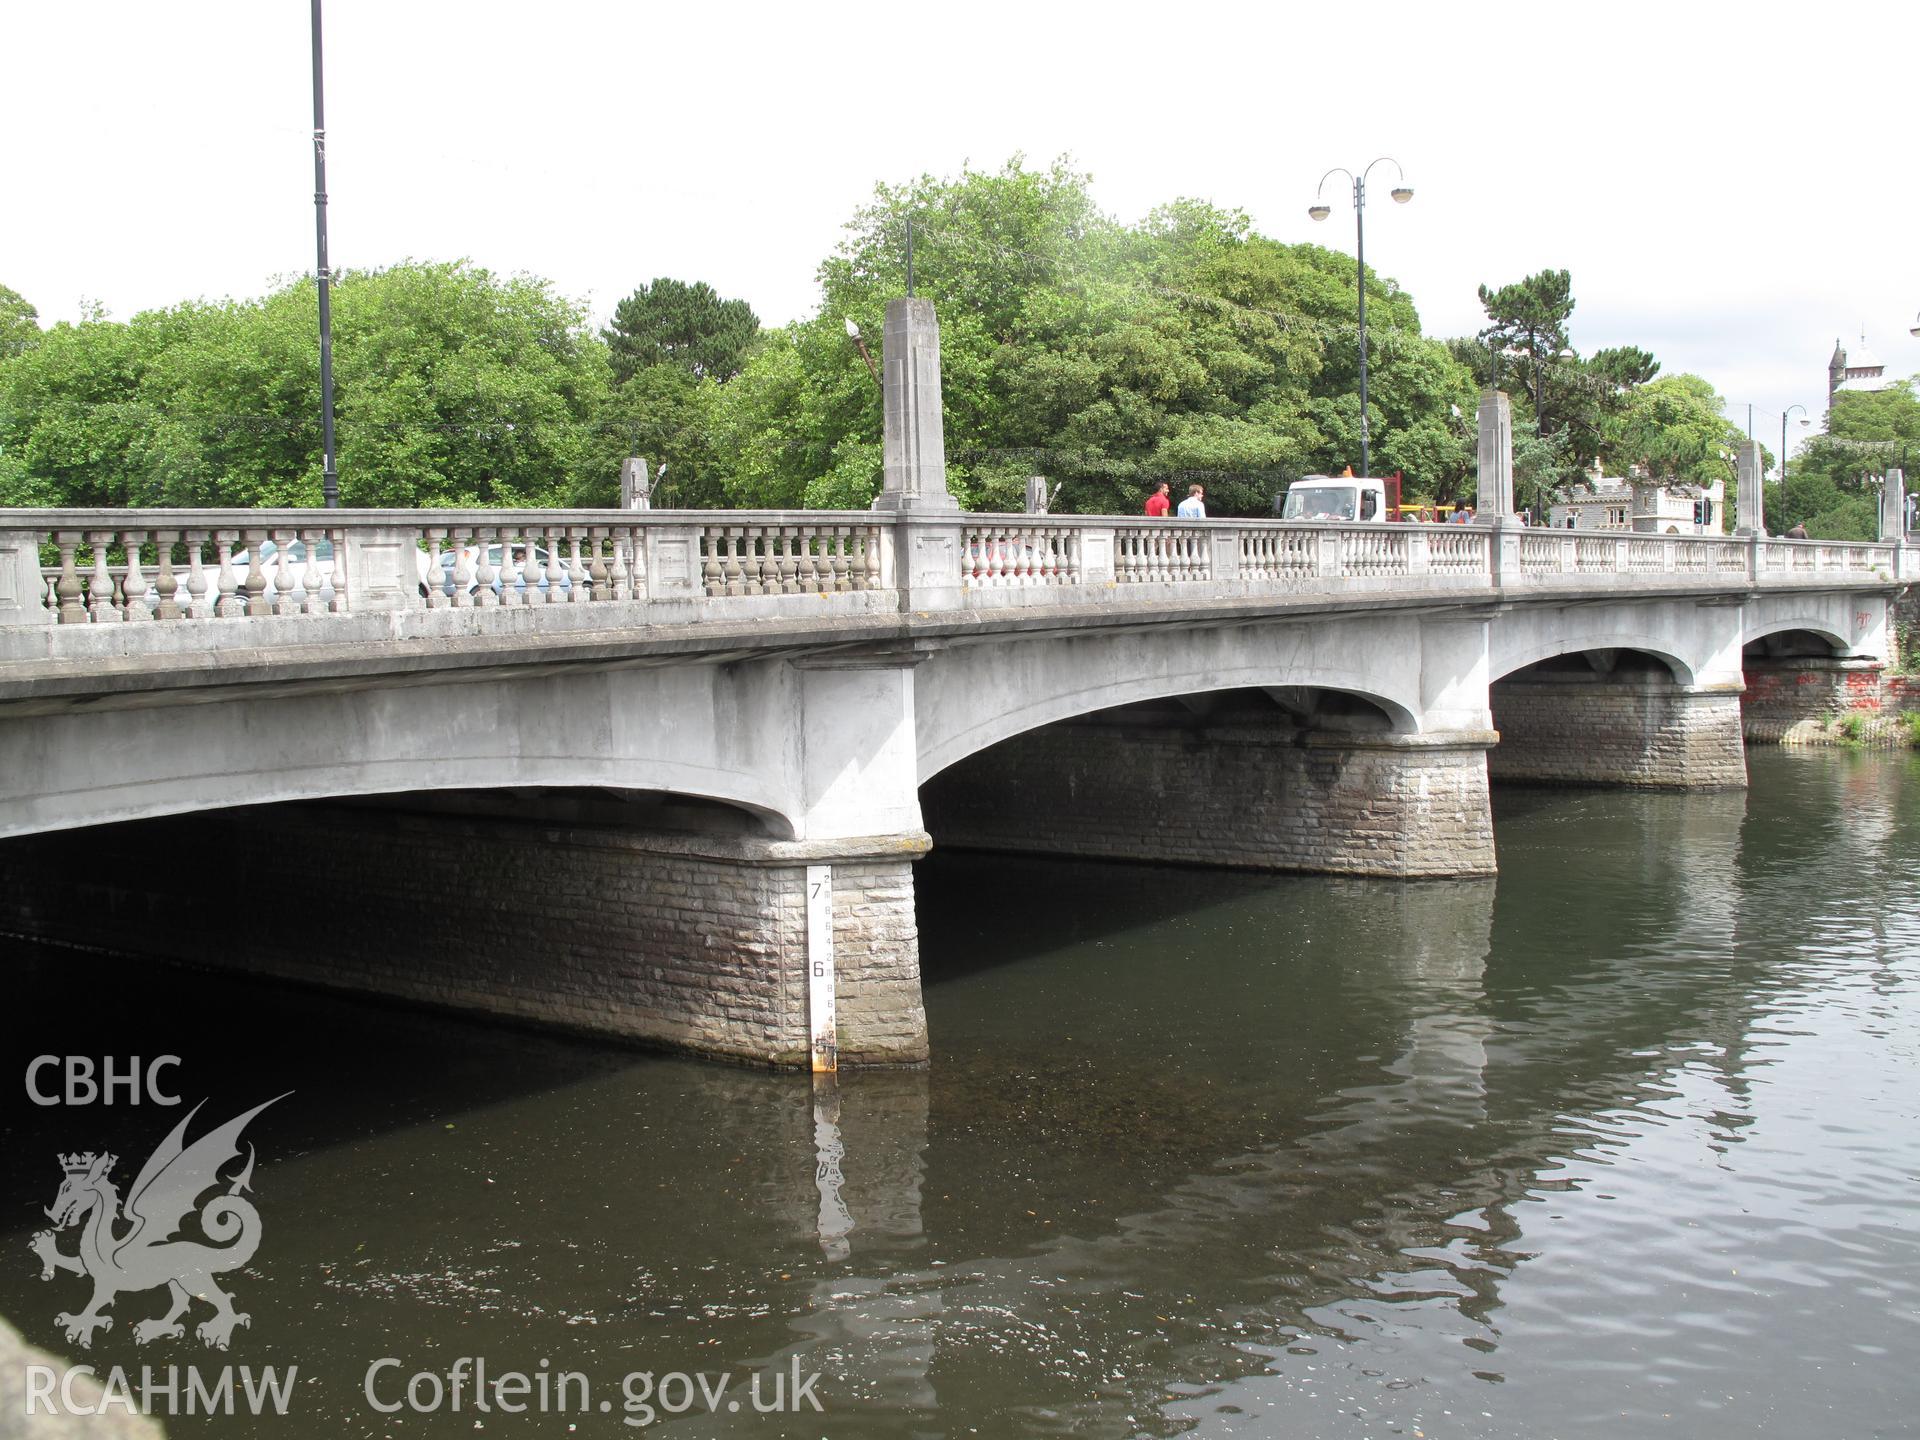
pixel 452 387
pixel 671 322
pixel 1831 485
pixel 1673 428
pixel 1101 355
pixel 19 323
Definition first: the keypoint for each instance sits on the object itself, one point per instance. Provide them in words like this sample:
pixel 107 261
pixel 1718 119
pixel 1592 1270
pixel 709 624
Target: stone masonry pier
pixel 1608 718
pixel 1228 786
pixel 681 939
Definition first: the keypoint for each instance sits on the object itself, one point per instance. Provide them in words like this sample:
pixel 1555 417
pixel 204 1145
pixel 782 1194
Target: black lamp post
pixel 1319 211
pixel 329 476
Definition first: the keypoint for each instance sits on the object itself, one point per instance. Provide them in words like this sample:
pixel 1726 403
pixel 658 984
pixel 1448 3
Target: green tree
pixel 1831 485
pixel 1673 427
pixel 453 387
pixel 1101 355
pixel 19 323
pixel 1530 317
pixel 673 323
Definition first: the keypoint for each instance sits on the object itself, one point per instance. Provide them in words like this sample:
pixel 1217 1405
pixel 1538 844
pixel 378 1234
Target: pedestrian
pixel 1798 532
pixel 1157 503
pixel 1194 507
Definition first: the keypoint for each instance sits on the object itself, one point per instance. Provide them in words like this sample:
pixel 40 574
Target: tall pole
pixel 1319 211
pixel 329 475
pixel 1783 444
pixel 1360 262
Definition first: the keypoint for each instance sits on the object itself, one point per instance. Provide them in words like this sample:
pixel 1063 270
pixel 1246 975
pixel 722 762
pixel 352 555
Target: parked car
pixel 272 560
pixel 448 558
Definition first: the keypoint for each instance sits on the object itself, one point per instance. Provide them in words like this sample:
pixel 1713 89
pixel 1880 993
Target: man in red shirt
pixel 1157 503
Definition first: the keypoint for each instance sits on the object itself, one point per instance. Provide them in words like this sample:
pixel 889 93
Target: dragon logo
pixel 138 1250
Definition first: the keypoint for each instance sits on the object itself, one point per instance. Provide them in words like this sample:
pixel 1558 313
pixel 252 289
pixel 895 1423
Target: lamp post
pixel 329 476
pixel 1319 211
pixel 1805 421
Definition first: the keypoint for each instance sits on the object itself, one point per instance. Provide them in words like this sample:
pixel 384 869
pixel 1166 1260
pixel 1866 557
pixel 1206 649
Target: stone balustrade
pixel 94 568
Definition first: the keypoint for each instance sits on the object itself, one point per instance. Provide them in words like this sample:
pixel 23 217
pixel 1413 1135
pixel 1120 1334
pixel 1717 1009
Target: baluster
pixel 311 580
pixel 557 577
pixel 437 597
pixel 787 564
pixel 67 587
pixel 598 575
pixel 228 603
pixel 254 585
pixel 712 577
pixel 100 591
pixel 751 541
pixel 167 583
pixel 818 568
pixel 506 574
pixel 578 594
pixel 837 539
pixel 619 578
pixel 338 539
pixel 636 553
pixel 532 569
pixel 485 574
pixel 134 587
pixel 460 547
pixel 282 602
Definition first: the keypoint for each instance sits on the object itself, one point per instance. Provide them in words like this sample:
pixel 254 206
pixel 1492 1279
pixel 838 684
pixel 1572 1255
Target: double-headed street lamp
pixel 1319 211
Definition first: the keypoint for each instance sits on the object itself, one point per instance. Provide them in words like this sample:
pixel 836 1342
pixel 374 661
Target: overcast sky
pixel 1731 185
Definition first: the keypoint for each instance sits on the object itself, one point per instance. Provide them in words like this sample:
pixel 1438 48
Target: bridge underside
pixel 1282 778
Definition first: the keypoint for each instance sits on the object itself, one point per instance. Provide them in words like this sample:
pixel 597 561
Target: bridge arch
pixel 1512 659
pixel 1817 627
pixel 690 733
pixel 971 697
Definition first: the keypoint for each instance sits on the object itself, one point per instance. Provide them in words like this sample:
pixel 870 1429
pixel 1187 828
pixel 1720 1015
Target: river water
pixel 1622 1143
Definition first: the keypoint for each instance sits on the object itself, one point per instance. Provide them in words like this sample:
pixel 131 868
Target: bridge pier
pixel 1616 719
pixel 696 941
pixel 1227 790
pixel 1790 696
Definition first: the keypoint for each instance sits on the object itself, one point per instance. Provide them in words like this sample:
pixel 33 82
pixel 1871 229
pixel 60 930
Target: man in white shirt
pixel 1194 507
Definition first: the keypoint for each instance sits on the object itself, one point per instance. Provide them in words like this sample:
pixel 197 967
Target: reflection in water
pixel 835 1223
pixel 1619 1142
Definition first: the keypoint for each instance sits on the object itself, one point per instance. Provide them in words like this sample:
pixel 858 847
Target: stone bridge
pixel 663 775
pixel 644 794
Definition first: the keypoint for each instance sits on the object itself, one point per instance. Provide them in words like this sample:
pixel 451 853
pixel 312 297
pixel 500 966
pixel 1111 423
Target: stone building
pixel 1635 503
pixel 1859 369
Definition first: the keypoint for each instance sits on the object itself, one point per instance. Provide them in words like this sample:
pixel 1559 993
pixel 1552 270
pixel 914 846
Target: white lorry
pixel 1343 498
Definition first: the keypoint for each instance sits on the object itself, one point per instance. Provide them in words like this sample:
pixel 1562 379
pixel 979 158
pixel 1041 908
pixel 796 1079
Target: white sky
pixel 1730 184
